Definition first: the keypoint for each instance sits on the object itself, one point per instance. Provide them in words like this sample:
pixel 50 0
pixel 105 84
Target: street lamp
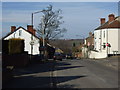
pixel 42 30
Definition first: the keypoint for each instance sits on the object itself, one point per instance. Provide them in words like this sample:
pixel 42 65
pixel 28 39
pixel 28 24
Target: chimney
pixel 90 34
pixel 30 29
pixel 102 20
pixel 111 17
pixel 13 28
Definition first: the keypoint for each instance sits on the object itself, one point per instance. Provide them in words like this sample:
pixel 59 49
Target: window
pixel 100 35
pixel 20 32
pixel 104 34
pixel 14 35
pixel 104 46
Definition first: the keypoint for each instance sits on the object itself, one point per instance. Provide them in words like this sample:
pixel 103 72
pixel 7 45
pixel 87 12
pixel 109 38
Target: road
pixel 85 74
pixel 0 70
pixel 65 74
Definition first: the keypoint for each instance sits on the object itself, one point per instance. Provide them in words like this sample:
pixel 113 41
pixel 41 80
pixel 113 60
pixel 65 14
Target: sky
pixel 79 18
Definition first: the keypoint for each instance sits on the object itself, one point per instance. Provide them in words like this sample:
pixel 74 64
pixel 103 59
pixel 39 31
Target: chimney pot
pixel 13 28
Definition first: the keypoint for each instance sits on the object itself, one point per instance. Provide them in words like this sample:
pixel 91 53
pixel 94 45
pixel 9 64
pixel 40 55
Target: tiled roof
pixel 18 29
pixel 113 24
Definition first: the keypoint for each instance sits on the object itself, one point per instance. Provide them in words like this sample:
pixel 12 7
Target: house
pixel 89 41
pixel 30 39
pixel 88 45
pixel 78 53
pixel 106 37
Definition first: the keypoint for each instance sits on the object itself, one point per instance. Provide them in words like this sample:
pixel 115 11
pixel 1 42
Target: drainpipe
pixel 107 41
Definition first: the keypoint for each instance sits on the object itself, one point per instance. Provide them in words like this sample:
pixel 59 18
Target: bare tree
pixel 50 24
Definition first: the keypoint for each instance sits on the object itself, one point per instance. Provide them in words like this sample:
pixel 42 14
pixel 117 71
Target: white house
pixel 106 37
pixel 30 39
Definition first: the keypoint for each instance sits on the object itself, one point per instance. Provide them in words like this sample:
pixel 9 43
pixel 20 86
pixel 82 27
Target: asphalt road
pixel 0 71
pixel 65 74
pixel 85 74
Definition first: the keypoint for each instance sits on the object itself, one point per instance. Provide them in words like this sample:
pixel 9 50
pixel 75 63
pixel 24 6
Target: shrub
pixel 5 49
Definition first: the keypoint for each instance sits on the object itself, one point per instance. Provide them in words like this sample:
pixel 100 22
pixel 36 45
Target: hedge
pixel 13 46
pixel 16 46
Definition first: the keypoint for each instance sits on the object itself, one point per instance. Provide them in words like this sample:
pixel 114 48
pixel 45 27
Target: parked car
pixel 69 56
pixel 57 56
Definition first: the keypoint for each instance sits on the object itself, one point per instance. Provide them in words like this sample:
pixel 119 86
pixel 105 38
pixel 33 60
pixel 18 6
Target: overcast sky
pixel 80 17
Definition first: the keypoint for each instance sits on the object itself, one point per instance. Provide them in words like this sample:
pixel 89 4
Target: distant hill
pixel 66 45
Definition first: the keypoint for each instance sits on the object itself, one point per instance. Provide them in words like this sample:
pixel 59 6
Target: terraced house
pixel 106 37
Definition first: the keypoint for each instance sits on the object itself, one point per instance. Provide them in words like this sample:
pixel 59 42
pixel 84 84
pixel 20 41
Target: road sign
pixel 42 48
pixel 32 42
pixel 88 43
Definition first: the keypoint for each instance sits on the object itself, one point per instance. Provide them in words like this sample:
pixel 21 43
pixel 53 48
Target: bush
pixel 16 46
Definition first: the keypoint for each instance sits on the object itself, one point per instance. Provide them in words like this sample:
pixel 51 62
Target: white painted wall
pixel 97 40
pixel 113 40
pixel 119 40
pixel 27 38
pixel 111 36
pixel 84 52
pixel 97 55
pixel 107 35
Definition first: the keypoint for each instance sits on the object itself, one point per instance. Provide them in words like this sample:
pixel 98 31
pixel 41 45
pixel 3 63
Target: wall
pixel 107 35
pixel 27 37
pixel 119 40
pixel 97 55
pixel 84 52
pixel 97 41
pixel 113 40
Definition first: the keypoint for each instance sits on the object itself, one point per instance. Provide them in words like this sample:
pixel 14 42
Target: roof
pixel 113 24
pixel 18 29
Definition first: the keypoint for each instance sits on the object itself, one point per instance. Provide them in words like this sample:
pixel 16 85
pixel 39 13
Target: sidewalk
pixel 110 61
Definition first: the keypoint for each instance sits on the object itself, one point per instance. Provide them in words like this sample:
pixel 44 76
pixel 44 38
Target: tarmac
pixel 112 62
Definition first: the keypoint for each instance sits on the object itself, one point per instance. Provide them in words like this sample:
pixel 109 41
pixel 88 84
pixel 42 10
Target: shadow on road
pixel 39 82
pixel 38 76
pixel 70 67
pixel 45 67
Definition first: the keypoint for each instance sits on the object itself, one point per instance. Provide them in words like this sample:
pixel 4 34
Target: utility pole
pixel 43 32
pixel 32 35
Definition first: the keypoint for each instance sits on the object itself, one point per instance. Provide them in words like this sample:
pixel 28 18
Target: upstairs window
pixel 20 32
pixel 14 35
